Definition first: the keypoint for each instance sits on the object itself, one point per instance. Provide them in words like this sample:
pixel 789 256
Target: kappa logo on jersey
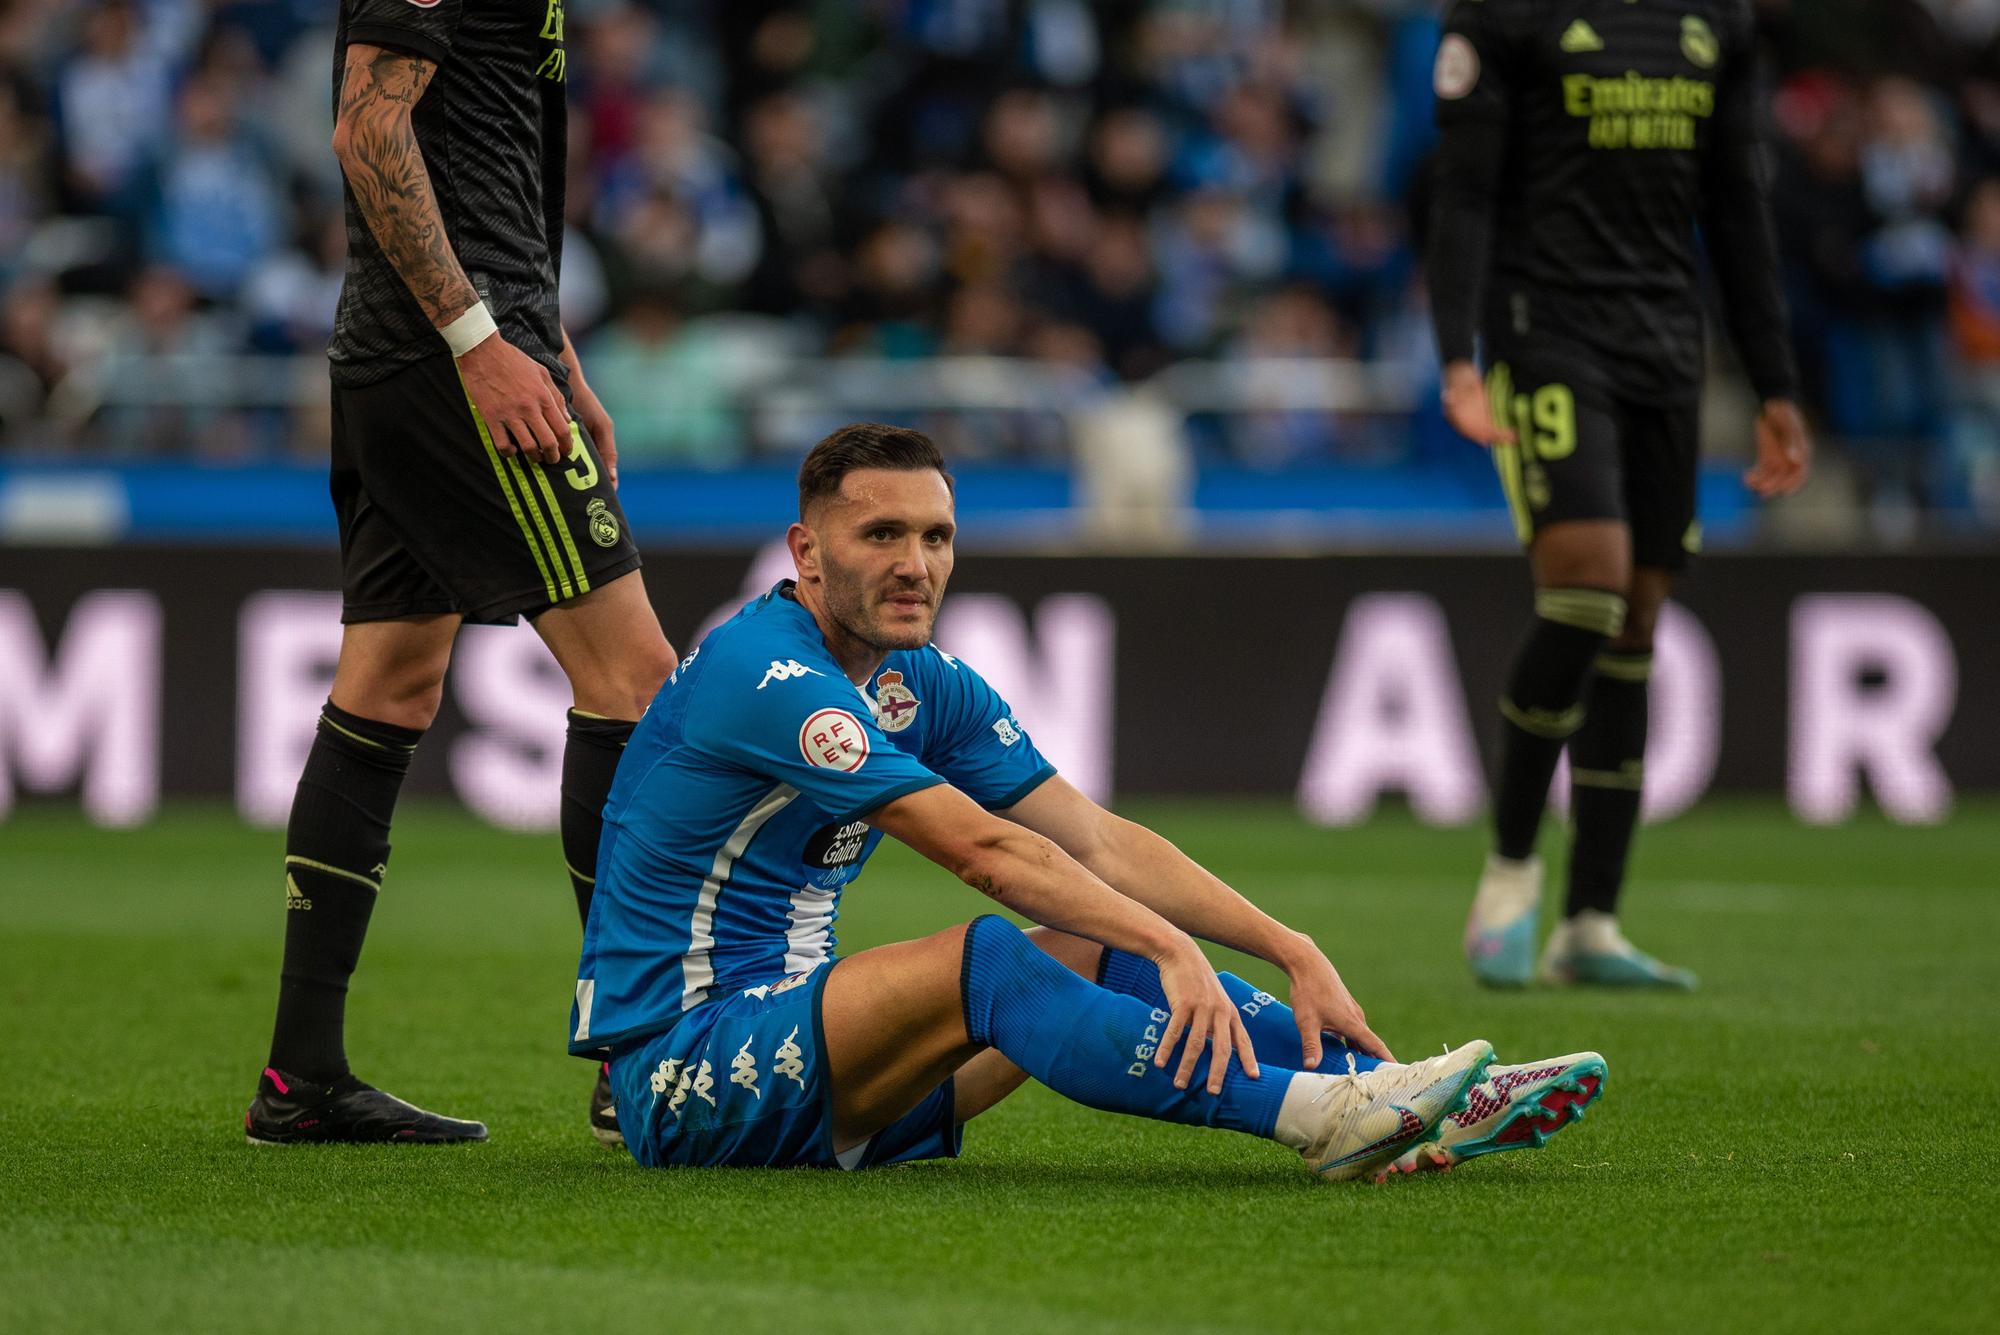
pixel 895 706
pixel 786 671
pixel 1457 69
pixel 1005 730
pixel 834 739
pixel 704 1080
pixel 743 1070
pixel 790 1062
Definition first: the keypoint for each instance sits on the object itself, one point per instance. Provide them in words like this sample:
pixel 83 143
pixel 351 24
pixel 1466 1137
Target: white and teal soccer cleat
pixel 1369 1120
pixel 1513 1108
pixel 1500 931
pixel 1589 950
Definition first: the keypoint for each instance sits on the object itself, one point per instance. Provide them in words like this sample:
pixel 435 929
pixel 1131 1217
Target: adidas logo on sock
pixel 295 898
pixel 1580 37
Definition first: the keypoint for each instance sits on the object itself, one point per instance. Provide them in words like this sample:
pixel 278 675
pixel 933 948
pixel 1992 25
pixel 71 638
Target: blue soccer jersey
pixel 737 814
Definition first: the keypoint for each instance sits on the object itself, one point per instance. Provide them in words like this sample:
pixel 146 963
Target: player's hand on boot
pixel 596 424
pixel 1467 409
pixel 1321 1004
pixel 1202 1011
pixel 1784 450
pixel 523 410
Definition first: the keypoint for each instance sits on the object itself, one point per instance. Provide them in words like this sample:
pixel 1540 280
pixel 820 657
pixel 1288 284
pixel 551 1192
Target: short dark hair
pixel 865 445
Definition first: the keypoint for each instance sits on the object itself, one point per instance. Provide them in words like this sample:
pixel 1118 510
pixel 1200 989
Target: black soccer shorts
pixel 1582 453
pixel 434 519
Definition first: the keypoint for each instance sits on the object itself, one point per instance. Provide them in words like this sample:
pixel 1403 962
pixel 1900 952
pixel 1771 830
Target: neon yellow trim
pixel 1507 458
pixel 562 520
pixel 587 880
pixel 1609 778
pixel 506 488
pixel 520 471
pixel 1542 722
pixel 1586 609
pixel 1625 667
pixel 292 860
pixel 365 741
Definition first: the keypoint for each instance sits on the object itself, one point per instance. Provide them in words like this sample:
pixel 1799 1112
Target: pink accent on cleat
pixel 278 1080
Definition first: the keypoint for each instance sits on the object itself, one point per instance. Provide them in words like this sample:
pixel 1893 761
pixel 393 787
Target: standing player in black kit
pixel 1584 142
pixel 474 477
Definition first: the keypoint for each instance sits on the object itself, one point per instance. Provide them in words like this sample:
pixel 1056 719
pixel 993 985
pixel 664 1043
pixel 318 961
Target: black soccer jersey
pixel 1583 143
pixel 493 129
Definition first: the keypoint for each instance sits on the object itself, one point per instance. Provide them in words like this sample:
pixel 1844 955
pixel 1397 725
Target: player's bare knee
pixel 651 666
pixel 1079 954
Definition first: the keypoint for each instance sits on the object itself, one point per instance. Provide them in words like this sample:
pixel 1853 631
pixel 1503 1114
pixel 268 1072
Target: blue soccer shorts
pixel 742 1083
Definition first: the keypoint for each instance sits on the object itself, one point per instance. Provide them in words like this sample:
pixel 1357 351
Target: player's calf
pixel 1099 1048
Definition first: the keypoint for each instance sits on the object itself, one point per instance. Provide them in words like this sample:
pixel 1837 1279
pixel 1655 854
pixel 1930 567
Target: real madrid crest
pixel 1698 42
pixel 603 524
pixel 895 706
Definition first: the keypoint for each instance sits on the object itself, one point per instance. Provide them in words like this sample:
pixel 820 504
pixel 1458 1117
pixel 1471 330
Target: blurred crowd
pixel 1105 188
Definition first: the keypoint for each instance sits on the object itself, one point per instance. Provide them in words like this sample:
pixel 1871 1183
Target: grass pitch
pixel 1808 1143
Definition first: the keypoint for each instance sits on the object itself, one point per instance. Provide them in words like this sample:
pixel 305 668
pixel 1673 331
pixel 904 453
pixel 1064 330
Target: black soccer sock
pixel 590 759
pixel 1543 704
pixel 1607 760
pixel 336 851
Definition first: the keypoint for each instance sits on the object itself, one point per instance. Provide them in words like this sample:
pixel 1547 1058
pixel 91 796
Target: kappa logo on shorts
pixel 895 705
pixel 604 530
pixel 790 1062
pixel 743 1071
pixel 834 739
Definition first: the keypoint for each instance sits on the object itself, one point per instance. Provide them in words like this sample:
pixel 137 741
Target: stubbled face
pixel 882 551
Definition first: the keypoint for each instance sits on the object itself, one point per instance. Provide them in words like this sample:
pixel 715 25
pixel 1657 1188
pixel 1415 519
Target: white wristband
pixel 469 330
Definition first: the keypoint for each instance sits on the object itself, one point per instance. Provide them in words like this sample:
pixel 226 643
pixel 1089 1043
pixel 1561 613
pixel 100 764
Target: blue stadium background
pixel 1146 267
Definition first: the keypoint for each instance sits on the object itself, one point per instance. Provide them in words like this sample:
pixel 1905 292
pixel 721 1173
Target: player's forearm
pixel 384 166
pixel 1022 871
pixel 1461 233
pixel 1744 253
pixel 1742 240
pixel 1146 867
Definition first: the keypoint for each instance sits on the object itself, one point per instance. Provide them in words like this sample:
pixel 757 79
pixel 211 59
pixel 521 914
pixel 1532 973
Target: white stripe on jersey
pixel 811 924
pixel 697 972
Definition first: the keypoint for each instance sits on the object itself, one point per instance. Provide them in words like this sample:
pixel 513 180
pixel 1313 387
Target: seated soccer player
pixel 821 718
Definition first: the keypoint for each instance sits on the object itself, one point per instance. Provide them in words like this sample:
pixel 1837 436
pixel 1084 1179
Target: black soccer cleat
pixel 291 1111
pixel 604 1111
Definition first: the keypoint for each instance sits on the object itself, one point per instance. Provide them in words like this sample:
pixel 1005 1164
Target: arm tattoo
pixel 385 169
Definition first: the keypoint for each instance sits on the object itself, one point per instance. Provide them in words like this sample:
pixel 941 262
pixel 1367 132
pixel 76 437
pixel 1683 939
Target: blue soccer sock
pixel 1094 1045
pixel 1273 1032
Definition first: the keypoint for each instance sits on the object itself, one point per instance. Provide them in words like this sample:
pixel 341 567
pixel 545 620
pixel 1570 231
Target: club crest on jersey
pixel 834 739
pixel 1698 42
pixel 1457 70
pixel 895 706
